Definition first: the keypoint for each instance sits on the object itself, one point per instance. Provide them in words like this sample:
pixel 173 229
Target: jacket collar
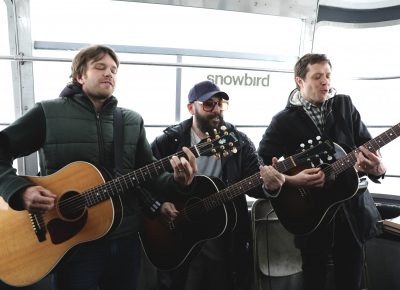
pixel 294 97
pixel 75 91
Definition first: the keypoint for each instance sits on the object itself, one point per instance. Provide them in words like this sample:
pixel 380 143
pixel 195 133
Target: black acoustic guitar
pixel 206 214
pixel 302 210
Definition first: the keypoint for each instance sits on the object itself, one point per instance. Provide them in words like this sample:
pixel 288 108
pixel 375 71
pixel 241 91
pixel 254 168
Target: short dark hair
pixel 85 55
pixel 301 66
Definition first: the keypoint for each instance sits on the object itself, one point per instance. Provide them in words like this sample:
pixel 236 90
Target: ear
pixel 80 79
pixel 190 107
pixel 299 82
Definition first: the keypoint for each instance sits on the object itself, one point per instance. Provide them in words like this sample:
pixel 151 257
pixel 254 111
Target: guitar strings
pixel 237 188
pixel 102 192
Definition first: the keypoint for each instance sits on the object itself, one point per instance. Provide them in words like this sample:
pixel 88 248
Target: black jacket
pixel 292 126
pixel 234 168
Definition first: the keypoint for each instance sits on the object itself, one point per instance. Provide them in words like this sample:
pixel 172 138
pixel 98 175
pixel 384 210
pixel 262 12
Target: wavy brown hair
pixel 87 54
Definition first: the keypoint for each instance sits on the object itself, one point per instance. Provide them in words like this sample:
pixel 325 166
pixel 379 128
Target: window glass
pixel 360 52
pixel 254 96
pixel 372 54
pixel 130 23
pixel 7 111
pixel 145 89
pixel 4 42
pixel 152 90
pixel 373 99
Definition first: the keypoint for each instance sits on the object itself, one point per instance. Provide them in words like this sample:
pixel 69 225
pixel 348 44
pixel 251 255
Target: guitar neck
pixel 125 182
pixel 235 190
pixel 373 145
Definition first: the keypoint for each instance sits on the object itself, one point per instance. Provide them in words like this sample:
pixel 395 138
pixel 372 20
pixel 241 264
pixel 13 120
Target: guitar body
pixel 32 244
pixel 302 210
pixel 169 245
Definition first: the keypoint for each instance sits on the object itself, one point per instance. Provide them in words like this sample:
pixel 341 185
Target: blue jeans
pixel 100 265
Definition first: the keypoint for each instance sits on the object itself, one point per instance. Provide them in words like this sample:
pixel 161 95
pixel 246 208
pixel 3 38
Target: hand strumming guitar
pixel 37 199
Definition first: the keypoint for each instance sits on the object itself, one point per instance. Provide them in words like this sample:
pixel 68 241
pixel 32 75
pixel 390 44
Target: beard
pixel 206 123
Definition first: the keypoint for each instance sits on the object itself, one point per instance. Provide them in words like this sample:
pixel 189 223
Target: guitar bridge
pixel 38 226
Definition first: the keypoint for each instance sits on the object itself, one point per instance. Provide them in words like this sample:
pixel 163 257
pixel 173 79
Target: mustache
pixel 213 115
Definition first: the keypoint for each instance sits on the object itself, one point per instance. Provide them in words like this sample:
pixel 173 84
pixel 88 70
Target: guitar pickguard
pixel 61 231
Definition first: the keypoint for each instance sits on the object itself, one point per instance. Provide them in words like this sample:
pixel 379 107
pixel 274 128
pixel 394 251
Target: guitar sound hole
pixel 194 210
pixel 71 205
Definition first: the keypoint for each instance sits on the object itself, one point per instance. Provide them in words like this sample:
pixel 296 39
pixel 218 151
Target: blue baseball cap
pixel 205 90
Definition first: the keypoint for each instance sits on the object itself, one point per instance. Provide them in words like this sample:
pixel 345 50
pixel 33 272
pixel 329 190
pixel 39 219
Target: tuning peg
pixel 225 153
pixel 216 134
pixel 217 156
pixel 318 138
pixel 234 149
pixel 208 137
pixel 223 128
pixel 329 158
pixel 302 145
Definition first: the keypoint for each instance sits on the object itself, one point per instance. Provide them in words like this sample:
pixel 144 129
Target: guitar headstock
pixel 219 142
pixel 315 153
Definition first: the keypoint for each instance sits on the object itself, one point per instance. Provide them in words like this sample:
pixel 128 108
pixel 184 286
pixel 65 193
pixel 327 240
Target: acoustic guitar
pixel 87 208
pixel 207 214
pixel 302 210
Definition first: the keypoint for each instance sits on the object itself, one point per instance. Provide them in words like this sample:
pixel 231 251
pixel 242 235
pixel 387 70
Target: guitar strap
pixel 151 205
pixel 118 141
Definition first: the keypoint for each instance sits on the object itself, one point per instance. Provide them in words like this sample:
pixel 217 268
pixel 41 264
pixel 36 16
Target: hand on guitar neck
pixel 272 178
pixel 37 199
pixel 184 168
pixel 369 162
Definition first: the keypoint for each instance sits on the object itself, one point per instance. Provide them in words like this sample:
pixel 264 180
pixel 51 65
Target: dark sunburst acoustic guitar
pixel 302 210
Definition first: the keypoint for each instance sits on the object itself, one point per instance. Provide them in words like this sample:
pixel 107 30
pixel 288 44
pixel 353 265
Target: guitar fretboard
pixel 125 182
pixel 229 193
pixel 373 145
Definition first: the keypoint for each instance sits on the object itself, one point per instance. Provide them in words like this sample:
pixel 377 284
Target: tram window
pixel 4 47
pixel 255 96
pixel 205 30
pixel 132 23
pixel 370 76
pixel 358 51
pixel 7 111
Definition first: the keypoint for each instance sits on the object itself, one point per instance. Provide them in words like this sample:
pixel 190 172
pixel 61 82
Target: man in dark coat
pixel 315 111
pixel 224 263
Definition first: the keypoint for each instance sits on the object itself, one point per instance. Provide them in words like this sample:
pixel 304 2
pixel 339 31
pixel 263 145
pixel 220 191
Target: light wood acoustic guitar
pixel 87 208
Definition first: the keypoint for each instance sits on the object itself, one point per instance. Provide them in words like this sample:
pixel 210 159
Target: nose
pixel 108 73
pixel 325 79
pixel 217 107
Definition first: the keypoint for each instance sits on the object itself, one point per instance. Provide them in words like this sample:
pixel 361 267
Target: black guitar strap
pixel 151 205
pixel 118 141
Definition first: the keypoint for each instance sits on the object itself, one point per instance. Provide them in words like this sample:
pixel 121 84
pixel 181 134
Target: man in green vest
pixel 80 126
